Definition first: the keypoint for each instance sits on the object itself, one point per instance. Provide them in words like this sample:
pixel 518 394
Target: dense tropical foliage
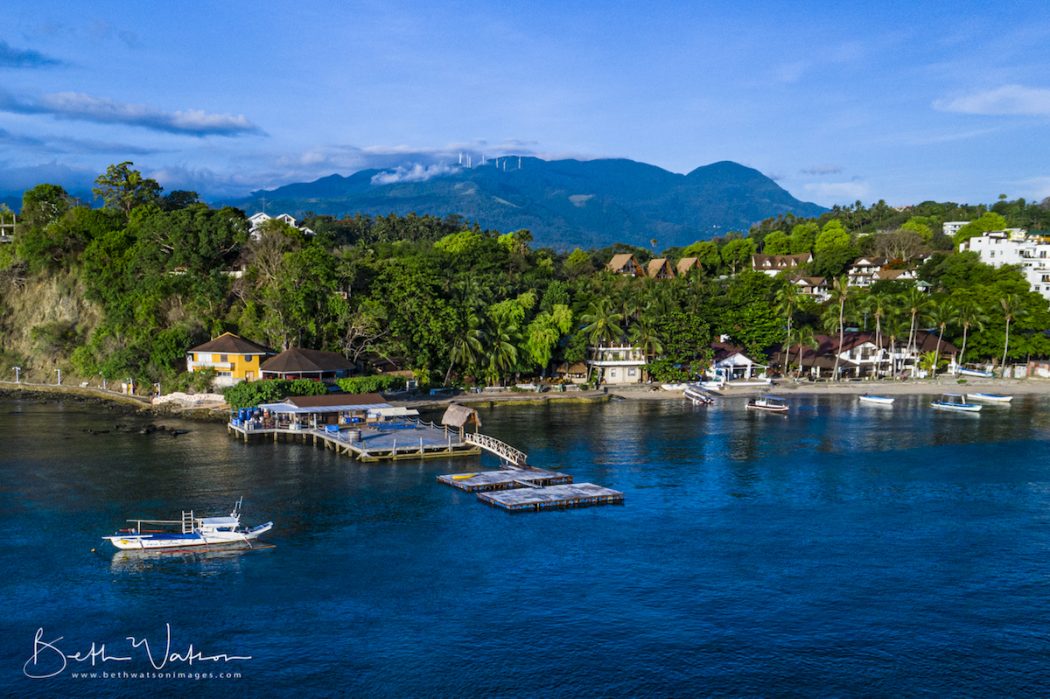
pixel 125 289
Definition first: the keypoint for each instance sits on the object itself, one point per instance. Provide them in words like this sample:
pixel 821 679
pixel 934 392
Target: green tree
pixel 601 322
pixel 736 254
pixel 43 205
pixel 988 221
pixel 776 243
pixel 942 314
pixel 1012 307
pixel 970 316
pixel 803 236
pixel 124 189
pixel 840 293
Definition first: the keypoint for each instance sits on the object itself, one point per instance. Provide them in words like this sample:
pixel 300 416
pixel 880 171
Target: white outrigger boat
pixel 769 404
pixel 989 397
pixel 697 395
pixel 980 373
pixel 955 401
pixel 195 531
pixel 876 400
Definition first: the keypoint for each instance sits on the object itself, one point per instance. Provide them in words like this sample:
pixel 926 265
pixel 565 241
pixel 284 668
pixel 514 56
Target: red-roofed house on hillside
pixel 775 264
pixel 299 363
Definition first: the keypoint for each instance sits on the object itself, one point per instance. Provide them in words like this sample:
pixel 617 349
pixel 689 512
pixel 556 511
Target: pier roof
pixel 330 403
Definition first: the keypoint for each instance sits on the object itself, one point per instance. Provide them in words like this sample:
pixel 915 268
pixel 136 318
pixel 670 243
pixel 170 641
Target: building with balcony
pixel 617 365
pixel 233 359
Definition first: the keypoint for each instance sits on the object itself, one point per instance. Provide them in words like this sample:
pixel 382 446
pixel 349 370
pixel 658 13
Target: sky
pixel 838 102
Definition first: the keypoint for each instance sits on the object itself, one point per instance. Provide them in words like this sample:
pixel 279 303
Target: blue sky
pixel 838 102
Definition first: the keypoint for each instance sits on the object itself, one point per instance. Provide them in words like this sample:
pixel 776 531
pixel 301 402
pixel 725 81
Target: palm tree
pixel 878 304
pixel 1012 309
pixel 970 316
pixel 942 314
pixel 601 322
pixel 787 301
pixel 503 350
pixel 467 346
pixel 914 301
pixel 806 338
pixel 840 292
pixel 643 335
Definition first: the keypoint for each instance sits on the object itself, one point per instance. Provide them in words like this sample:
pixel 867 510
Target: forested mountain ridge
pixel 564 203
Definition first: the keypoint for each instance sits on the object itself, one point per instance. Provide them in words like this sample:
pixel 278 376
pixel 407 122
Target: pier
pixel 393 441
pixel 504 479
pixel 554 497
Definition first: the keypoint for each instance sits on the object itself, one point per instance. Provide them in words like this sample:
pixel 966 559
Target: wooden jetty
pixel 554 497
pixel 504 479
pixel 408 439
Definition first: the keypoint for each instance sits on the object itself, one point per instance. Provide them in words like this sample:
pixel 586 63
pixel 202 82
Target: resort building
pixel 575 372
pixel 8 221
pixel 950 228
pixel 659 268
pixel 731 364
pixel 625 264
pixel 687 265
pixel 233 358
pixel 813 287
pixel 255 222
pixel 298 363
pixel 862 272
pixel 775 264
pixel 860 355
pixel 617 365
pixel 306 412
pixel 1014 246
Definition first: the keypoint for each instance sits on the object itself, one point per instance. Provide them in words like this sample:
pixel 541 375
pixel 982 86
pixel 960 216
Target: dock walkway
pixel 413 439
pixel 554 497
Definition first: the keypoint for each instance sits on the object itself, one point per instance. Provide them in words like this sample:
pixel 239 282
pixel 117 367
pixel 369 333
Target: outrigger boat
pixel 195 531
pixel 989 397
pixel 697 395
pixel 980 373
pixel 955 401
pixel 769 404
pixel 876 400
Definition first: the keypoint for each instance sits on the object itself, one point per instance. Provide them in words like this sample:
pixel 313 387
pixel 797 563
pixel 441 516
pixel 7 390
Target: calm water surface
pixel 846 549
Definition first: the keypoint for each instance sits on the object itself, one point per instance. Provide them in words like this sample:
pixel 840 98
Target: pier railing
pixel 513 456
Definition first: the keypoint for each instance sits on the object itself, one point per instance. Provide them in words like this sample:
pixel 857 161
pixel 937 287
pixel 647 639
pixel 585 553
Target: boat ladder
pixel 187 522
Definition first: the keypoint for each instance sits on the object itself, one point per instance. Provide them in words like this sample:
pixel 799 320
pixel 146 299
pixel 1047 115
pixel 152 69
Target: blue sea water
pixel 846 549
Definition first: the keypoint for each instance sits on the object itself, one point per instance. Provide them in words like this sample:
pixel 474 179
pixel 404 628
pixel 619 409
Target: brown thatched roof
pixel 686 264
pixel 624 263
pixel 659 267
pixel 228 343
pixel 306 361
pixel 459 415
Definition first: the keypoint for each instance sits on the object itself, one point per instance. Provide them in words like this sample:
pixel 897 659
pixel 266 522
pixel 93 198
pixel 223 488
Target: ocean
pixel 845 549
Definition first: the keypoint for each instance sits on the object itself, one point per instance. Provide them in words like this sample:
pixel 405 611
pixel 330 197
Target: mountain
pixel 564 203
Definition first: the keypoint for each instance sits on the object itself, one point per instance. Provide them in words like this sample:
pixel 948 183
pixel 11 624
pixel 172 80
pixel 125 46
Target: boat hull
pixel 877 400
pixel 990 397
pixel 143 542
pixel 957 407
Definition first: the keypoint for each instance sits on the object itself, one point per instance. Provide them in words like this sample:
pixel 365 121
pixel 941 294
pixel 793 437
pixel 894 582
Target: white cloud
pixel 1004 100
pixel 414 173
pixel 847 192
pixel 84 107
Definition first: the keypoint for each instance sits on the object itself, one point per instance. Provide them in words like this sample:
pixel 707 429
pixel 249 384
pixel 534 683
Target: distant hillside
pixel 564 203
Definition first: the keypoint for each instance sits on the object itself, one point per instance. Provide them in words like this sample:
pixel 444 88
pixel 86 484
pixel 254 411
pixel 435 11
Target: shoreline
pixel 639 392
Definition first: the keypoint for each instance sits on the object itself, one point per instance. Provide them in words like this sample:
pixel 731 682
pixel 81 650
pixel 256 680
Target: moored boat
pixel 190 531
pixel 989 397
pixel 876 400
pixel 955 401
pixel 674 386
pixel 769 404
pixel 975 372
pixel 697 395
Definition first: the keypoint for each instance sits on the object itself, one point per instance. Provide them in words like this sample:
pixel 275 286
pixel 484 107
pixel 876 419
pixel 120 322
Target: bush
pixel 247 394
pixel 371 384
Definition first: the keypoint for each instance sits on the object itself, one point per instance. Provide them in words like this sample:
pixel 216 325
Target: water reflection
pixel 208 562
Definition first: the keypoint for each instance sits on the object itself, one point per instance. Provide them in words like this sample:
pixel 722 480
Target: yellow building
pixel 233 358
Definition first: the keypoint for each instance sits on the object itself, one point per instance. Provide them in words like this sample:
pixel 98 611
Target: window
pixel 224 357
pixel 632 372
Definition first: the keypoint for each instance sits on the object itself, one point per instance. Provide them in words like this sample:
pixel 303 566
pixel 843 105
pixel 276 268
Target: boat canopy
pixel 220 521
pixel 392 412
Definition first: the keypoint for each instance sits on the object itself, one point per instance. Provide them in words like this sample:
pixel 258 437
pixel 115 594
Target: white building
pixel 255 222
pixel 614 365
pixel 1014 246
pixel 950 228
